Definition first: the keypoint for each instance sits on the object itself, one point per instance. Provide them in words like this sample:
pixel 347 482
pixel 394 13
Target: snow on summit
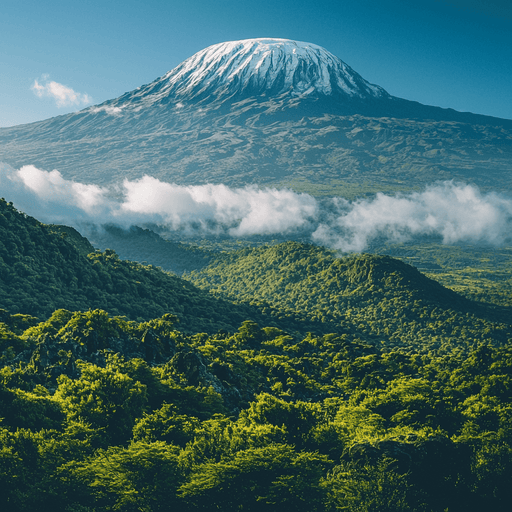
pixel 255 67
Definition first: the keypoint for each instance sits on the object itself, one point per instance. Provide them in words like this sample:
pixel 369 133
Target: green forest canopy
pixel 397 399
pixel 102 414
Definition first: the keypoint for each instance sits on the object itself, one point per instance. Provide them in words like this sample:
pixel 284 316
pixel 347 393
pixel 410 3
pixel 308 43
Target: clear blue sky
pixel 449 53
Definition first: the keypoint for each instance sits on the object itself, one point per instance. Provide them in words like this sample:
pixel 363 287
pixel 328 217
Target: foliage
pixel 404 405
pixel 258 420
pixel 381 299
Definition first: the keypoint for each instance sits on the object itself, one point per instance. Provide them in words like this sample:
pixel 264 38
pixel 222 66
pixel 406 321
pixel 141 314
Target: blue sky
pixel 449 53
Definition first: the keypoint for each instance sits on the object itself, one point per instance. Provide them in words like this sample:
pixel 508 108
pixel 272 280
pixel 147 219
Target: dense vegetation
pixel 398 399
pixel 476 271
pixel 386 301
pixel 256 420
pixel 40 271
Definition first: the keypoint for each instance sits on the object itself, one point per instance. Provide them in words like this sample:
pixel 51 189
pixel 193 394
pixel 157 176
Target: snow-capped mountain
pixel 272 112
pixel 254 67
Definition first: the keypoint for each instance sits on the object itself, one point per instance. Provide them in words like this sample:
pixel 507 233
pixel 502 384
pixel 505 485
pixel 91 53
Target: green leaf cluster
pixel 254 420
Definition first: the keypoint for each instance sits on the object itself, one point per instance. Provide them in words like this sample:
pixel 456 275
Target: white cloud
pixel 53 188
pixel 456 212
pixel 242 211
pixel 206 208
pixel 51 198
pixel 64 96
pixel 108 109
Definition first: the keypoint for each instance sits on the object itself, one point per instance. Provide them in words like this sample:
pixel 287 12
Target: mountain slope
pixel 386 300
pixel 40 272
pixel 273 112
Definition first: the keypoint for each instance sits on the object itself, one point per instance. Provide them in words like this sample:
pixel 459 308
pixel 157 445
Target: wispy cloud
pixel 108 109
pixel 64 96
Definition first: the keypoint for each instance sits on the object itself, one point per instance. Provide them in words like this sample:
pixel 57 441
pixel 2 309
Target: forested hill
pixel 405 406
pixel 296 287
pixel 276 269
pixel 388 301
pixel 40 272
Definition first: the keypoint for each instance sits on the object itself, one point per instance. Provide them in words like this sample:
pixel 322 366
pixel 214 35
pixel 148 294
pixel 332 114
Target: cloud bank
pixel 64 96
pixel 455 212
pixel 206 209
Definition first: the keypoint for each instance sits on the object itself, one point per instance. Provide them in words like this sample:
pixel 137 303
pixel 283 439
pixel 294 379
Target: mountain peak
pixel 254 67
pixel 271 112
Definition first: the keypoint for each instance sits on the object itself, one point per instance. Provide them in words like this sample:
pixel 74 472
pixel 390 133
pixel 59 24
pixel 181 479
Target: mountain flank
pixel 41 271
pixel 267 112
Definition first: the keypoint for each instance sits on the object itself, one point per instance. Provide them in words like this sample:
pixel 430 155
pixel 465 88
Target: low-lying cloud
pixel 108 109
pixel 217 208
pixel 199 209
pixel 64 96
pixel 456 212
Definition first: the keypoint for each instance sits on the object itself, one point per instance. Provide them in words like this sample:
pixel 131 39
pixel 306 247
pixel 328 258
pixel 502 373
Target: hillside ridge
pixel 41 271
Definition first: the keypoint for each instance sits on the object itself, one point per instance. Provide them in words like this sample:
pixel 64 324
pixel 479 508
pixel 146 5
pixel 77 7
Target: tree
pixel 371 488
pixel 270 478
pixel 105 398
pixel 142 477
